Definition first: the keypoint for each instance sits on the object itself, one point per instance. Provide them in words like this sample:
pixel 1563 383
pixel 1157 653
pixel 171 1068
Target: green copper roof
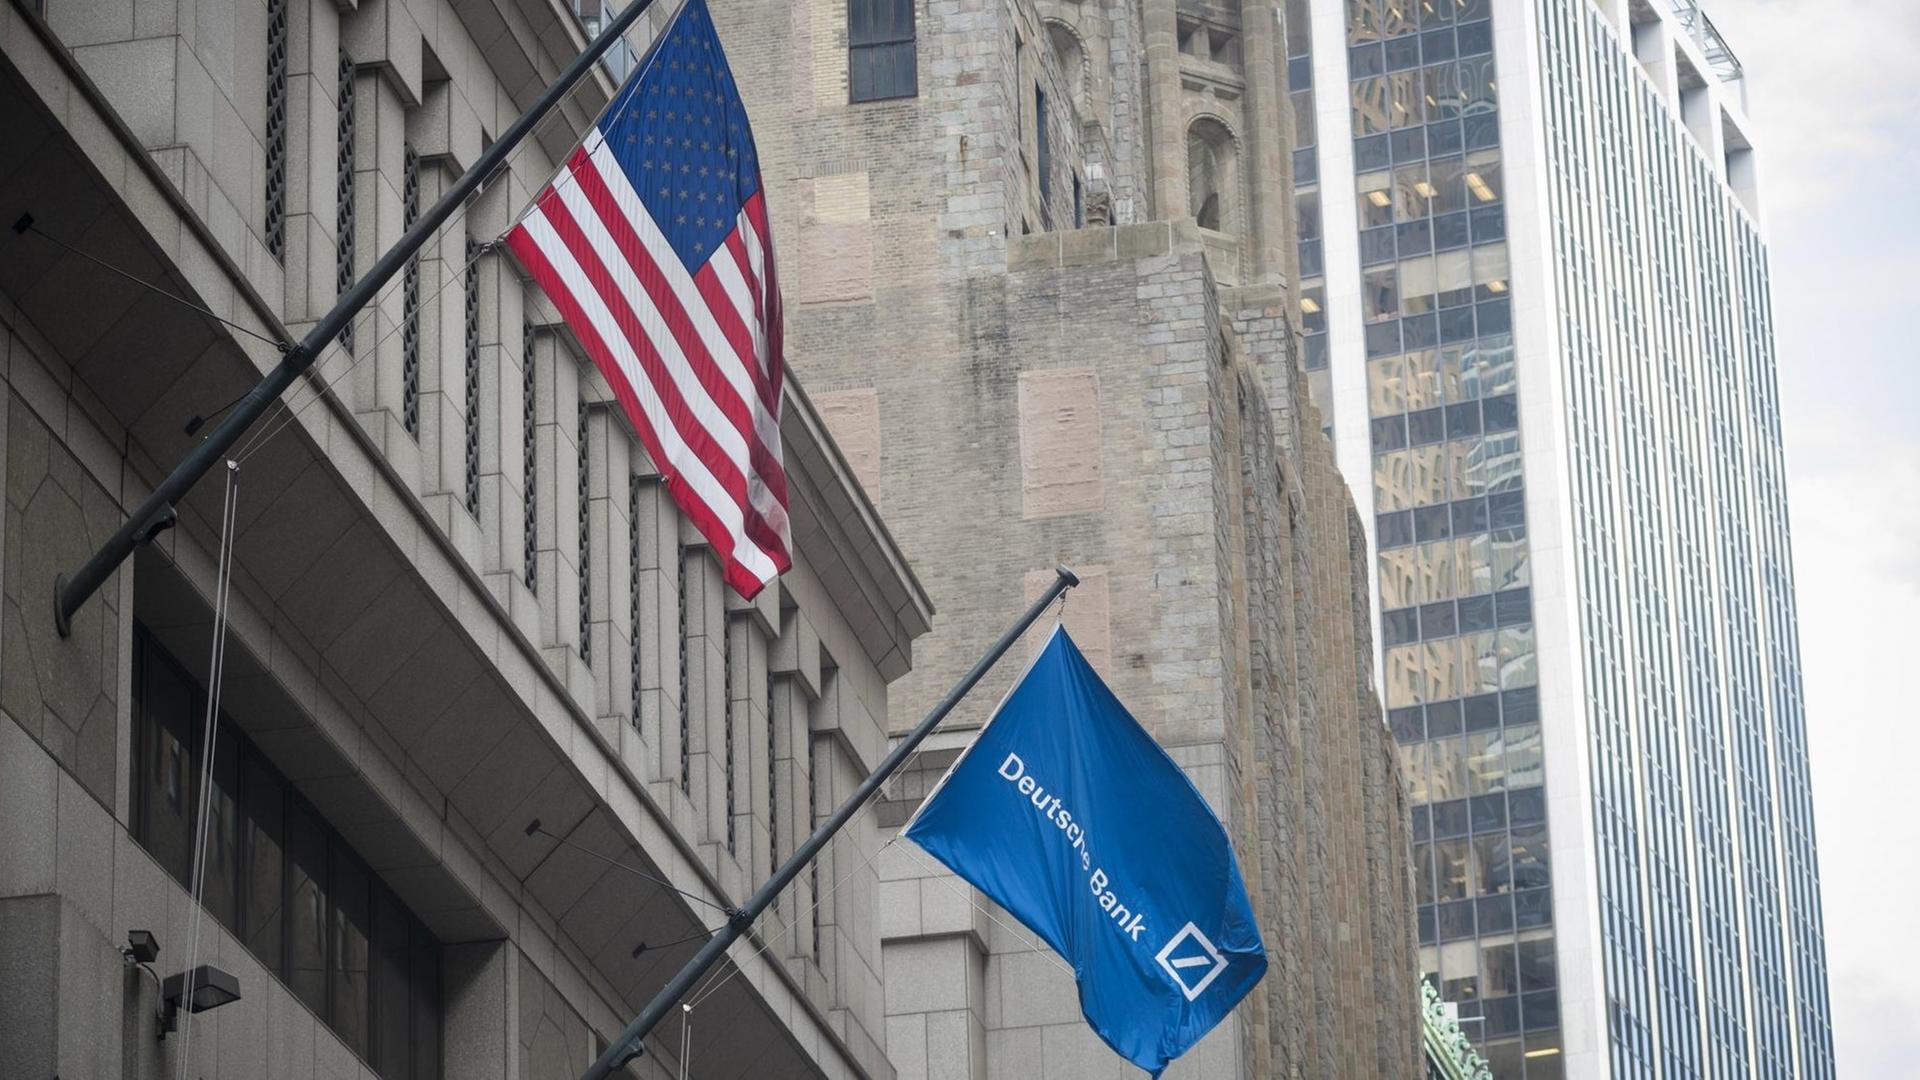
pixel 1450 1055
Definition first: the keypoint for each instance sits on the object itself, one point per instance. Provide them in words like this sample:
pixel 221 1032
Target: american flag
pixel 653 243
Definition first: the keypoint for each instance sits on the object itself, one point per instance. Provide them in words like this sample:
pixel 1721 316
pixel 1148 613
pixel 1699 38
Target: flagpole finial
pixel 1073 579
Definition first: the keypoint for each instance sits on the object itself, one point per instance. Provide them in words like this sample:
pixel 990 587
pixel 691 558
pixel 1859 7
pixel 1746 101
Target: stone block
pixel 1060 442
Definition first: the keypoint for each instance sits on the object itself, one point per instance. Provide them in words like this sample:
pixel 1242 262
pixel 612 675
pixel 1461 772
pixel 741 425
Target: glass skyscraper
pixel 1535 290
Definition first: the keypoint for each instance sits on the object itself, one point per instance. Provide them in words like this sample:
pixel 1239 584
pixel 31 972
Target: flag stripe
pixel 698 375
pixel 653 243
pixel 579 301
pixel 709 319
pixel 714 440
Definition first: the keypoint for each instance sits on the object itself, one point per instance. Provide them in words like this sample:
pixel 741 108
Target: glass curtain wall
pixel 1306 200
pixel 1453 572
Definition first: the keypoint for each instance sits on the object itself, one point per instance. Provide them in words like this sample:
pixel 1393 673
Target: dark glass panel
pixel 220 891
pixel 1426 426
pixel 1514 606
pixel 1395 529
pixel 1536 965
pixel 1312 260
pixel 1489 812
pixel 1389 433
pixel 1506 510
pixel 1406 723
pixel 1542 1010
pixel 1425 920
pixel 1437 621
pixel 1476 38
pixel 1481 130
pixel 1476 614
pixel 1496 914
pixel 1443 719
pixel 1445 137
pixel 306 908
pixel 1490 852
pixel 1383 339
pixel 348 960
pixel 1432 522
pixel 1469 517
pixel 1497 968
pixel 1533 908
pixel 1456 325
pixel 1370 154
pixel 392 1005
pixel 1495 316
pixel 1502 1016
pixel 1306 165
pixel 1449 232
pixel 1421 820
pixel 262 923
pixel 1483 712
pixel 1316 348
pixel 1502 412
pixel 1455 920
pixel 1408 144
pixel 1299 69
pixel 170 765
pixel 1489 225
pixel 1436 45
pixel 1463 419
pixel 1529 857
pixel 1520 706
pixel 1365 60
pixel 1450 819
pixel 426 1006
pixel 1402 53
pixel 1527 805
pixel 1399 627
pixel 1376 248
pixel 1414 238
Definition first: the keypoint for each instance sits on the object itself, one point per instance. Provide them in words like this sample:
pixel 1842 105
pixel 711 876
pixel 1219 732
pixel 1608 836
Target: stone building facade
pixel 1041 297
pixel 1037 282
pixel 460 598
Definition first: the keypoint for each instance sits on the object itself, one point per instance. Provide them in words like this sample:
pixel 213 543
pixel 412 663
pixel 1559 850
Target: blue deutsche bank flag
pixel 1071 817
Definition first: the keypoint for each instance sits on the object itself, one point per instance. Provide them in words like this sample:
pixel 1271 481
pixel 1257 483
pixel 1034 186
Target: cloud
pixel 1831 86
pixel 1855 522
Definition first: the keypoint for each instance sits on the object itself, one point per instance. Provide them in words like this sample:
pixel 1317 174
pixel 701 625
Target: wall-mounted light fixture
pixel 205 987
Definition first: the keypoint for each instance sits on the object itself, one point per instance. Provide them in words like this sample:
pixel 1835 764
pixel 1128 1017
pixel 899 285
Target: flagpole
pixel 157 512
pixel 631 1042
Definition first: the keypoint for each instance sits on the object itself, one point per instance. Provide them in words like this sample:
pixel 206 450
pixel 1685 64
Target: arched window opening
pixel 1212 175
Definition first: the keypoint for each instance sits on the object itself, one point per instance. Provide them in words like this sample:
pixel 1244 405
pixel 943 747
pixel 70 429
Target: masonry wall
pixel 454 610
pixel 1122 418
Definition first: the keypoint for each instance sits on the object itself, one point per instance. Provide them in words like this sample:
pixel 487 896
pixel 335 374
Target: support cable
pixel 210 730
pixel 26 225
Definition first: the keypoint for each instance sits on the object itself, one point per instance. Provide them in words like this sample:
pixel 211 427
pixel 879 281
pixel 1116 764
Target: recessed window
pixel 880 43
pixel 280 879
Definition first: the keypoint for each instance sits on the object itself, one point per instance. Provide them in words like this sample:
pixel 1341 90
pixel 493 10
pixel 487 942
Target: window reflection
pixel 1447 772
pixel 1524 767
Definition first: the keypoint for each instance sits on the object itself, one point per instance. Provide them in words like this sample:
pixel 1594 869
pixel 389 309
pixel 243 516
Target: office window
pixel 880 50
pixel 281 880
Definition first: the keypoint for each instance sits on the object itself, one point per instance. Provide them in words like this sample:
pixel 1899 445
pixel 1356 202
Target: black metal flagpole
pixel 630 1042
pixel 157 512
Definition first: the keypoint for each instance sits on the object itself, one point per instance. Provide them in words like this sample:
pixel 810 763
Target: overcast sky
pixel 1834 93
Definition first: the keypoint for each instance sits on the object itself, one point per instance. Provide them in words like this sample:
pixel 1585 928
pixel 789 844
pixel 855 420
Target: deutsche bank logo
pixel 1192 961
